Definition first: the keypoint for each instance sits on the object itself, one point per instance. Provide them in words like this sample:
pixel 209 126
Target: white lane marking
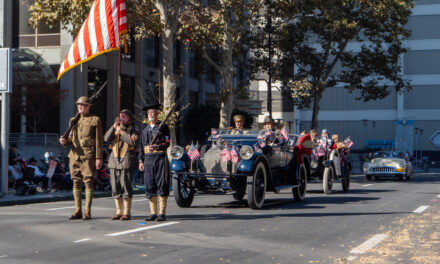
pixel 140 229
pixel 438 196
pixel 369 244
pixel 421 209
pixel 60 208
pixel 366 185
pixel 3 256
pixel 140 200
pixel 81 240
pixel 350 258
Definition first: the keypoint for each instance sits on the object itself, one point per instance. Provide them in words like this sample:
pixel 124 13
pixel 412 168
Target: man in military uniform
pixel 239 123
pixel 122 162
pixel 152 160
pixel 85 155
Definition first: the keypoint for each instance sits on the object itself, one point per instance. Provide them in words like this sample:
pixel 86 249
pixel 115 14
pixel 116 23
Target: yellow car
pixel 388 164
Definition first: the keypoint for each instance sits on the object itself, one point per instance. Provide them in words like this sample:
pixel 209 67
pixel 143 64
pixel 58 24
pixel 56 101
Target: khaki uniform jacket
pixel 86 138
pixel 129 137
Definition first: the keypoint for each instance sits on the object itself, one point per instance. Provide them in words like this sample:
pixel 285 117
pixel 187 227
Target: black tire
pixel 20 189
pixel 346 181
pixel 256 187
pixel 407 177
pixel 32 191
pixel 400 177
pixel 238 196
pixel 327 179
pixel 368 177
pixel 299 193
pixel 183 191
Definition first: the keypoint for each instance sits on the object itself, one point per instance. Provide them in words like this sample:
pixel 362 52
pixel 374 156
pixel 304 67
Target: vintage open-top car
pixel 241 164
pixel 388 164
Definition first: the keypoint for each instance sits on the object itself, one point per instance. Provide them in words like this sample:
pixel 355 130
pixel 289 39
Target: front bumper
pixel 207 175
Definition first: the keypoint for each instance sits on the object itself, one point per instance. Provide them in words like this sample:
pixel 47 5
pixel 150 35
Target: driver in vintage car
pixel 239 125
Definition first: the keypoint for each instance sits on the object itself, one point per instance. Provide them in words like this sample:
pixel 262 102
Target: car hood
pixel 386 162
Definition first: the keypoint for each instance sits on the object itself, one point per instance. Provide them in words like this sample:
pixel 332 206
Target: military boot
pixel 162 208
pixel 77 197
pixel 153 209
pixel 118 203
pixel 127 209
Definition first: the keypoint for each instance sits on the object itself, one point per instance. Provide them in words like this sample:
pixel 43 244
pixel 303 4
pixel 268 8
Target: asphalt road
pixel 323 229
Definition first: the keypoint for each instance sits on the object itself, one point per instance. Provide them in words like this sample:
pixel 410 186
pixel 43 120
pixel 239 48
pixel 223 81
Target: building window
pixel 24 35
pixel 127 92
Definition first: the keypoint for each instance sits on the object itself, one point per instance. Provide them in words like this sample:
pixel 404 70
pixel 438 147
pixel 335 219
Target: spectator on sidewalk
pixel 13 161
pixel 33 172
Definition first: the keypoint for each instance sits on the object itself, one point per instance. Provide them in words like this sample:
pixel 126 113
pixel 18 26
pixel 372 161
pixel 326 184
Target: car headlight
pixel 401 165
pixel 177 152
pixel 246 152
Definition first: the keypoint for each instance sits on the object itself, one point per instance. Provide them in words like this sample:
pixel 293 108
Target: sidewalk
pixel 11 198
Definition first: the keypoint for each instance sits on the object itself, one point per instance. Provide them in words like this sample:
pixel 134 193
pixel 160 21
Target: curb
pixel 19 200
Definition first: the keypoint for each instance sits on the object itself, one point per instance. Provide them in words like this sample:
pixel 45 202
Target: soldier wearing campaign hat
pixel 85 155
pixel 152 161
pixel 122 162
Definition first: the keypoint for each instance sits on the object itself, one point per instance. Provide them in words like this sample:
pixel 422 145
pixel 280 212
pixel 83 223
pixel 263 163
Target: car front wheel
pixel 183 191
pixel 256 187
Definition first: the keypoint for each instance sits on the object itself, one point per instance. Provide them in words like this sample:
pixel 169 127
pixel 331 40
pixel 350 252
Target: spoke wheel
pixel 183 191
pixel 256 187
pixel 299 192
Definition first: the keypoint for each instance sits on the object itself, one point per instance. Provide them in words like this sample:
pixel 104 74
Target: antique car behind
pixel 238 164
pixel 388 164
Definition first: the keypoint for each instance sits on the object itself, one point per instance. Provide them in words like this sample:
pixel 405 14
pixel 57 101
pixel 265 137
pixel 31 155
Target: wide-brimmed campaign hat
pixel 268 120
pixel 83 100
pixel 127 112
pixel 238 118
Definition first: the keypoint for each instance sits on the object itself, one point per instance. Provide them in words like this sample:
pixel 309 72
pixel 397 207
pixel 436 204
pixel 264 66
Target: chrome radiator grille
pixel 212 161
pixel 384 170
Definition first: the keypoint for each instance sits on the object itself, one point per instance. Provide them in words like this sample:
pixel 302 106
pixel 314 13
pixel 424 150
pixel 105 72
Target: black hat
pixel 127 112
pixel 268 120
pixel 151 106
pixel 32 160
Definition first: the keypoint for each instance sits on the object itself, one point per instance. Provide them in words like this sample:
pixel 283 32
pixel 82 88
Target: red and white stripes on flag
pixel 193 153
pixel 100 33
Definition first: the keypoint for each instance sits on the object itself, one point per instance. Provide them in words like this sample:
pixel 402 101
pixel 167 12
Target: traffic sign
pixel 5 70
pixel 435 138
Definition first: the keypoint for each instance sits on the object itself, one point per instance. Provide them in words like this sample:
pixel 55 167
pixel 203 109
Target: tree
pixel 148 17
pixel 325 58
pixel 218 29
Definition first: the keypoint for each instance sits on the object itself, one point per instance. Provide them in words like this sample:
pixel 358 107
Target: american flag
pixel 193 153
pixel 101 32
pixel 234 156
pixel 284 133
pixel 348 142
pixel 225 155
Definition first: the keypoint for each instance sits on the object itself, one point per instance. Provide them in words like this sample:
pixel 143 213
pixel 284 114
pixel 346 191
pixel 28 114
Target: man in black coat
pixel 152 160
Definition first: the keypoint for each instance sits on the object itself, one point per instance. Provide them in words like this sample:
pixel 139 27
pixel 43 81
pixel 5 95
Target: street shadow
pixel 351 191
pixel 232 216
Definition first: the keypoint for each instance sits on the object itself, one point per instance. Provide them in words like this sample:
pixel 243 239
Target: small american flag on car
pixel 234 156
pixel 225 155
pixel 193 153
pixel 348 142
pixel 284 133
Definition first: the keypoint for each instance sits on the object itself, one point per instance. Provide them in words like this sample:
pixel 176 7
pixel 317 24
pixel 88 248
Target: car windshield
pixel 388 154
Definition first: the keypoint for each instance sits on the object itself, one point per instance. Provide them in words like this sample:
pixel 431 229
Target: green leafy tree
pixel 325 58
pixel 217 30
pixel 148 17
